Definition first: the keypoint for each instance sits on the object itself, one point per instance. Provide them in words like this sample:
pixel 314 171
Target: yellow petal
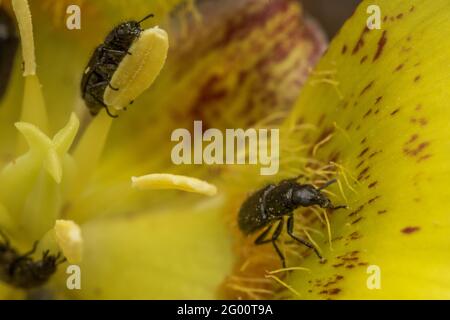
pixel 156 255
pixel 393 106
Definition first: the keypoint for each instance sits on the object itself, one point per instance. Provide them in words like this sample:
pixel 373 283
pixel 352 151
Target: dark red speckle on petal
pixel 409 230
pixel 381 44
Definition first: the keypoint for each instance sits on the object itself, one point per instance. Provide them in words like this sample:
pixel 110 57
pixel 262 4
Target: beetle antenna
pixel 151 15
pixel 327 184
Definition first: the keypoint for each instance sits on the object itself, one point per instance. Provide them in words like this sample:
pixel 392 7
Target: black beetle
pixel 9 43
pixel 21 271
pixel 104 62
pixel 270 204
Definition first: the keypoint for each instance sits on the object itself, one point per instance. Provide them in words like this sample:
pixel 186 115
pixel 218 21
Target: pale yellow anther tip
pixel 137 71
pixel 69 239
pixel 170 181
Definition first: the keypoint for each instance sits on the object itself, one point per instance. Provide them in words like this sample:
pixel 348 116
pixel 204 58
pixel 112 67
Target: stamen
pixel 64 236
pixel 89 149
pixel 137 71
pixel 288 269
pixel 69 238
pixel 311 240
pixel 23 14
pixel 334 83
pixel 321 143
pixel 318 215
pixel 346 135
pixel 255 290
pixel 328 228
pixel 34 109
pixel 284 284
pixel 341 189
pixel 170 181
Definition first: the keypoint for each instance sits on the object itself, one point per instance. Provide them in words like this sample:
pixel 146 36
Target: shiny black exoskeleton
pixel 269 205
pixel 9 42
pixel 21 271
pixel 104 62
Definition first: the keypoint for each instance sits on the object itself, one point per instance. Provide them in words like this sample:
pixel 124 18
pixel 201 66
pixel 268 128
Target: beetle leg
pixel 275 235
pixel 113 50
pixel 114 54
pixel 98 72
pixel 102 83
pixel 112 88
pixel 103 104
pixel 109 112
pixel 122 50
pixel 128 52
pixel 290 230
pixel 105 79
pixel 57 258
pixel 64 259
pixel 98 84
pixel 106 67
pixel 262 237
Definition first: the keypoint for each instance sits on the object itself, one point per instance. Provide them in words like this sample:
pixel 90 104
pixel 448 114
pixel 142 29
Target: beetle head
pixel 307 195
pixel 127 30
pixel 124 34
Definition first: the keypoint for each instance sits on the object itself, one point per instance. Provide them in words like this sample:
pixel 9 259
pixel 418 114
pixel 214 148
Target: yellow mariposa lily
pixel 372 115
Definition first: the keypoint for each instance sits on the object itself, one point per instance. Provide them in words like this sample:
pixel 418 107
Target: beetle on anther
pixel 21 271
pixel 269 206
pixel 104 62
